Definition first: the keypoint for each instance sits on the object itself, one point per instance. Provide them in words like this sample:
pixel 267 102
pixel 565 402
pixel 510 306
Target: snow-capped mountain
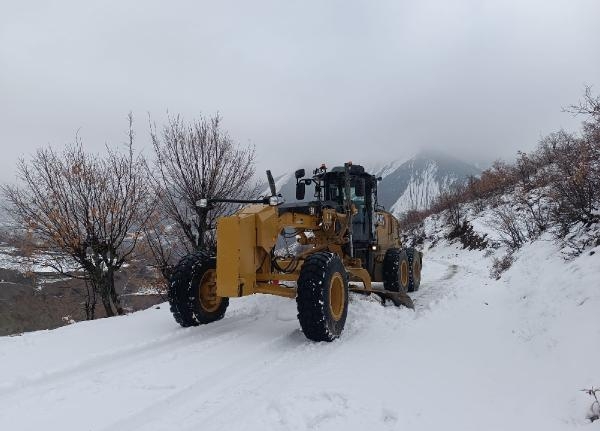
pixel 415 183
pixel 406 183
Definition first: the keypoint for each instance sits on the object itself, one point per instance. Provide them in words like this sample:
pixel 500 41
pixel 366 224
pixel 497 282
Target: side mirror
pixel 359 188
pixel 299 173
pixel 300 191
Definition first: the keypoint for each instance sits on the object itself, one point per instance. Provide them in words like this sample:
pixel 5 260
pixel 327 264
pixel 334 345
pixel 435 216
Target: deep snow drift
pixel 476 354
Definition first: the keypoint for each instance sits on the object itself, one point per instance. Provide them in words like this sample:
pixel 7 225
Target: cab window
pixel 336 192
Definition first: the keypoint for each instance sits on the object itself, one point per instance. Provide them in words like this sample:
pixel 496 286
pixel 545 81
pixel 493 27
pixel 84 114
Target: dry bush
pixel 575 168
pixel 536 211
pixel 451 203
pixel 581 238
pixel 479 205
pixel 594 411
pixel 468 237
pixel 412 226
pixel 525 170
pixel 574 184
pixel 507 222
pixel 494 181
pixel 413 218
pixel 500 265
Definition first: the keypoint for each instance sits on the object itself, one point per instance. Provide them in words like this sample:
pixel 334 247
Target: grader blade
pixel 397 298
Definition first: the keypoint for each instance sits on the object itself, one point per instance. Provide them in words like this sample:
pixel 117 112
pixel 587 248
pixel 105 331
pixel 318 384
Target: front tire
pixel 192 291
pixel 322 296
pixel 396 271
pixel 415 262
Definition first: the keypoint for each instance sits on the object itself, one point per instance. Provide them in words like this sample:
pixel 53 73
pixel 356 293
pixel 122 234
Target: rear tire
pixel 415 261
pixel 396 270
pixel 322 296
pixel 192 291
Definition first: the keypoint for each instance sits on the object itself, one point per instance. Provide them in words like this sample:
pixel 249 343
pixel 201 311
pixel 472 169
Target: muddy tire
pixel 192 291
pixel 415 262
pixel 396 270
pixel 322 297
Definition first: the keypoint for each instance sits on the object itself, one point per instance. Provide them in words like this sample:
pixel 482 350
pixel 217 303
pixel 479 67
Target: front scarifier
pixel 347 241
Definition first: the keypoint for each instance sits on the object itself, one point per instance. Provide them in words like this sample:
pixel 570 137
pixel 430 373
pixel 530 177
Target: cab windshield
pixel 336 192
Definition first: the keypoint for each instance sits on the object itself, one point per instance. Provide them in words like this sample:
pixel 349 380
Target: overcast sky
pixel 303 81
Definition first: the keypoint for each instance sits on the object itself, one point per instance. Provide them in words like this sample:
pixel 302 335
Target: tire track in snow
pixel 183 338
pixel 228 401
pixel 221 381
pixel 440 287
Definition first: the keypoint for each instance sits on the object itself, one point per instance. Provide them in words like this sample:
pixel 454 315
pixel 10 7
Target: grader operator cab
pixel 345 242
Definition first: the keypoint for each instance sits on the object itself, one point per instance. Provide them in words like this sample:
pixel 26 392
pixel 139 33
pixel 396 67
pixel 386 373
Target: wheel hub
pixel 404 273
pixel 336 296
pixel 417 269
pixel 207 290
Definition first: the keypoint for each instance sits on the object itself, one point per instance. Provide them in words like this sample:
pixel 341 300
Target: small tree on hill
pixel 193 161
pixel 85 211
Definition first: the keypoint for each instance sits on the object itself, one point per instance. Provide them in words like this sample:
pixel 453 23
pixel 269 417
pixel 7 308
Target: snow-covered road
pixel 474 355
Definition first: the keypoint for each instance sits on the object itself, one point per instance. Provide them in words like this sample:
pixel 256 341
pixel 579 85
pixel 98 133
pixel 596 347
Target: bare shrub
pixel 579 239
pixel 594 411
pixel 536 211
pixel 506 220
pixel 468 237
pixel 500 265
pixel 411 223
pixel 451 202
pixel 479 205
pixel 574 187
pixel 495 181
pixel 524 170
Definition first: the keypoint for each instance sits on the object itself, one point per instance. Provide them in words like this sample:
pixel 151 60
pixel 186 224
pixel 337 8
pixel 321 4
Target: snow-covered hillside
pixel 476 354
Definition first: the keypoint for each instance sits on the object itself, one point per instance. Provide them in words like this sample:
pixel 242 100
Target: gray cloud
pixel 304 81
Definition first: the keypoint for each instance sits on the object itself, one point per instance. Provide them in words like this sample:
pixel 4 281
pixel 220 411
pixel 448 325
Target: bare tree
pixel 194 161
pixel 85 211
pixel 165 241
pixel 589 106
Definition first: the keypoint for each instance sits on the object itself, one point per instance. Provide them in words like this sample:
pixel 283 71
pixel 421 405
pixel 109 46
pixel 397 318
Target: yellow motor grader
pixel 344 241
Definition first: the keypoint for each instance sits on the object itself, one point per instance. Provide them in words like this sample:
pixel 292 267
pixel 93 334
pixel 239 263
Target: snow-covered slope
pixel 476 354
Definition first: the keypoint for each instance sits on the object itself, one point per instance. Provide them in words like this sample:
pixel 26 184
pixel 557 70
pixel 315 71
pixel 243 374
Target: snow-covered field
pixel 476 354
